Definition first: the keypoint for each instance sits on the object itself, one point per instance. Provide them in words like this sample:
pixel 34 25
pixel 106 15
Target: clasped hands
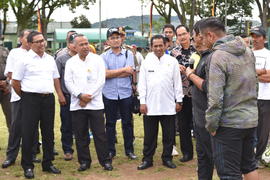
pixel 84 99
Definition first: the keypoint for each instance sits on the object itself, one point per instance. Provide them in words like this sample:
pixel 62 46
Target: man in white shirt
pixel 160 94
pixel 262 55
pixel 34 79
pixel 15 135
pixel 85 78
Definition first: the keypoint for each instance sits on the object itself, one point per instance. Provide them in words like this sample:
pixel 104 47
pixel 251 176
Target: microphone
pixel 191 63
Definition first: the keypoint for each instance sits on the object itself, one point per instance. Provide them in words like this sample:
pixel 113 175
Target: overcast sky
pixel 110 9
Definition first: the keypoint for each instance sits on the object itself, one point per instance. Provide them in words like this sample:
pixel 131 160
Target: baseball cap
pixel 111 31
pixel 259 30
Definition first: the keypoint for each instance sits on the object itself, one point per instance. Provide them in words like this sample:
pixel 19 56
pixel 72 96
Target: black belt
pixel 38 94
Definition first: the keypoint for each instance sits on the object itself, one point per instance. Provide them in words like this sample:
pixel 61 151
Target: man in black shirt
pixel 199 104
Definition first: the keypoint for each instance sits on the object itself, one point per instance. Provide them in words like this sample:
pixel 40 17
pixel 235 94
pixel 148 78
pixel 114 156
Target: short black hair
pixel 182 25
pixel 196 26
pixel 158 36
pixel 168 26
pixel 23 31
pixel 31 35
pixel 213 24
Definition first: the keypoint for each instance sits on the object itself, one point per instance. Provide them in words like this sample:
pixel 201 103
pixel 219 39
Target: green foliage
pixel 81 22
pixel 157 25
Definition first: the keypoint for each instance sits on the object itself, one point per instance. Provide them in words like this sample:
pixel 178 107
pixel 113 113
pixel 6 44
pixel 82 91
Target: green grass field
pixel 123 168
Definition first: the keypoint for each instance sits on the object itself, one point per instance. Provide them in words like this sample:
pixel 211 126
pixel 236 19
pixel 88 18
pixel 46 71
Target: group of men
pixel 206 83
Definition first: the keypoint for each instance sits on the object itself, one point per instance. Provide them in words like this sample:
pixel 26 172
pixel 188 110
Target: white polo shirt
pixel 263 62
pixel 14 56
pixel 86 77
pixel 160 85
pixel 36 73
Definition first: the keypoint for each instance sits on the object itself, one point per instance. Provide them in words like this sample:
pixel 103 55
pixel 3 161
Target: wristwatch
pixel 180 103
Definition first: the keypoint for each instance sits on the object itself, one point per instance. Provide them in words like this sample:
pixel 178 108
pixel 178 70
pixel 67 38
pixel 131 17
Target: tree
pixel 157 25
pixel 264 10
pixel 237 11
pixel 80 22
pixel 24 10
pixel 49 6
pixel 162 9
pixel 4 8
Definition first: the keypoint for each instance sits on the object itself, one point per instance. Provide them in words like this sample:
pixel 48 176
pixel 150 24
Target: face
pixel 208 39
pixel 183 36
pixel 38 44
pixel 115 40
pixel 81 46
pixel 258 41
pixel 168 32
pixel 158 47
pixel 197 41
pixel 24 42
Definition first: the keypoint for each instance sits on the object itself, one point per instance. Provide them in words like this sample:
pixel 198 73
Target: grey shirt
pixel 61 64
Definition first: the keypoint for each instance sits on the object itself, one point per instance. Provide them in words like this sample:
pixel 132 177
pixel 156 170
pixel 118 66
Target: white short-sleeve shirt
pixel 36 73
pixel 14 56
pixel 263 62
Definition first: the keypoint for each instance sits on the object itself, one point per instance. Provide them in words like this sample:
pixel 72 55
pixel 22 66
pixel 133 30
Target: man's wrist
pixel 180 103
pixel 79 96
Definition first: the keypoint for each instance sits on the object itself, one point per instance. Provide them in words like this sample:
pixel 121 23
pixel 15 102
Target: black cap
pixel 259 30
pixel 111 31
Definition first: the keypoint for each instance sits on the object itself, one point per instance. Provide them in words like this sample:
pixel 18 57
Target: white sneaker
pixel 174 151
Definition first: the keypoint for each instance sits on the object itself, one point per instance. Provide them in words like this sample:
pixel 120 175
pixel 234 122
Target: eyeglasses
pixel 39 42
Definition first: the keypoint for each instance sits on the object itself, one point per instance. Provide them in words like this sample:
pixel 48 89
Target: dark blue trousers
pixel 112 107
pixel 66 127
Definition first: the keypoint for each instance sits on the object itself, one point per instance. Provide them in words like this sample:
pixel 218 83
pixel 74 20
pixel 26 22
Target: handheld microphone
pixel 191 63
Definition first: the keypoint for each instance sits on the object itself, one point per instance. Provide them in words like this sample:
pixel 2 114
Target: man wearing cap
pixel 65 114
pixel 262 55
pixel 117 92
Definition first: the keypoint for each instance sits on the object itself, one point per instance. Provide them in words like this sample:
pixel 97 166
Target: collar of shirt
pixel 123 51
pixel 35 55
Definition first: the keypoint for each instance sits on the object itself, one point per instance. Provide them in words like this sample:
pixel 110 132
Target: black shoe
pixel 111 155
pixel 29 173
pixel 145 165
pixel 108 167
pixel 83 167
pixel 169 164
pixel 52 170
pixel 7 163
pixel 186 158
pixel 36 160
pixel 131 156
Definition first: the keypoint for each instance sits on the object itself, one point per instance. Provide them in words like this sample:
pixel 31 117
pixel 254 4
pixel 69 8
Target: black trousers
pixel 37 108
pixel 185 126
pixel 15 135
pixel 263 128
pixel 151 124
pixel 204 153
pixel 81 119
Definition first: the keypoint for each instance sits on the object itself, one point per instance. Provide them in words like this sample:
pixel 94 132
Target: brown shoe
pixel 68 156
